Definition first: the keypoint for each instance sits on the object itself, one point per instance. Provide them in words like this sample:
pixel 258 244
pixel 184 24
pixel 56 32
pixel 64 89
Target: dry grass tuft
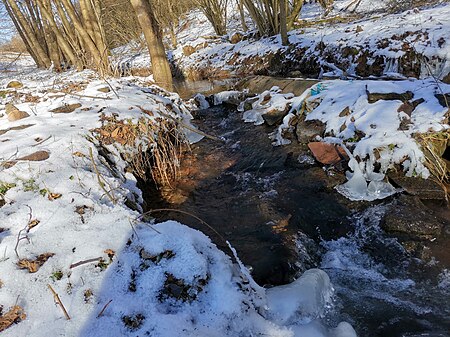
pixel 434 145
pixel 157 146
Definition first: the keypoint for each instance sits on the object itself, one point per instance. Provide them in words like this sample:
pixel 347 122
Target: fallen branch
pixel 104 308
pixel 80 263
pixel 58 301
pixel 26 230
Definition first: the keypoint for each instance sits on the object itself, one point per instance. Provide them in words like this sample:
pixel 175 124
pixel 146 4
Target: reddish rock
pixel 327 154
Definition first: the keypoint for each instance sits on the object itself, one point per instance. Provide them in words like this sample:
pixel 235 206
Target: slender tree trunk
pixel 152 32
pixel 22 36
pixel 242 15
pixel 100 62
pixel 296 9
pixel 283 23
pixel 29 35
pixel 67 50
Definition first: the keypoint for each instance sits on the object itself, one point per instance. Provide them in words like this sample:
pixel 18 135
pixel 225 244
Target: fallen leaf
pixel 34 265
pixel 54 196
pixel 78 154
pixel 33 223
pixel 13 316
pixel 110 253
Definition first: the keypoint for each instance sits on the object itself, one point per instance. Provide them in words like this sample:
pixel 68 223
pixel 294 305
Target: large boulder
pixel 422 188
pixel 412 220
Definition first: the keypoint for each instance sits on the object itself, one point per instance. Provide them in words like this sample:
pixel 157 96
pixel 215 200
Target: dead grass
pixel 157 146
pixel 434 145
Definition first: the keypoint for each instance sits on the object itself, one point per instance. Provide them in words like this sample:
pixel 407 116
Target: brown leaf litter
pixel 15 315
pixel 34 265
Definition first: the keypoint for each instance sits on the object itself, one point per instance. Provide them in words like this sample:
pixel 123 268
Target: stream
pixel 279 209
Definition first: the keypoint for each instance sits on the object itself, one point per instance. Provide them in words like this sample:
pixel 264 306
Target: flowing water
pixel 280 211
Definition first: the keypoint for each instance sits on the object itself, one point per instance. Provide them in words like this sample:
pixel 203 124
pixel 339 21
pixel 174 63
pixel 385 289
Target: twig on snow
pixel 104 308
pixel 73 265
pixel 58 301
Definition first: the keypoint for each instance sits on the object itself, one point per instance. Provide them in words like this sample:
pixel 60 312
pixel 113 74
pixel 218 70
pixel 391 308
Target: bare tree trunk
pixel 152 32
pixel 283 23
pixel 296 9
pixel 52 45
pixel 33 42
pixel 242 15
pixel 22 36
pixel 67 50
pixel 101 62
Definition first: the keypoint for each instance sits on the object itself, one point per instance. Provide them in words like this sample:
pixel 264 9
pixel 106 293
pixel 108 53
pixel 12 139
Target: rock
pixel 344 113
pixel 408 107
pixel 257 84
pixel 446 79
pixel 418 250
pixel 14 84
pixel 308 130
pixel 359 29
pixel 15 114
pixel 67 108
pixel 236 37
pixel 188 50
pixel 36 156
pixel 104 89
pixel 410 218
pixel 392 96
pixel 20 127
pixel 327 154
pixel 422 188
pixel 248 103
pixel 444 100
pixel 275 116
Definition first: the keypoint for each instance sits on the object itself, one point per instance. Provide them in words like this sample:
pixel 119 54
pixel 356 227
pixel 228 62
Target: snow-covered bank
pixel 379 124
pixel 409 44
pixel 65 225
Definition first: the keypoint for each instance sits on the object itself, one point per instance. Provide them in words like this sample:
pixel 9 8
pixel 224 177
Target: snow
pixel 424 31
pixel 161 280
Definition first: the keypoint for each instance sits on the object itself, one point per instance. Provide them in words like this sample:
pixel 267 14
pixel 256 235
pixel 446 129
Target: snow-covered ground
pixel 65 225
pixel 392 40
pixel 412 43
